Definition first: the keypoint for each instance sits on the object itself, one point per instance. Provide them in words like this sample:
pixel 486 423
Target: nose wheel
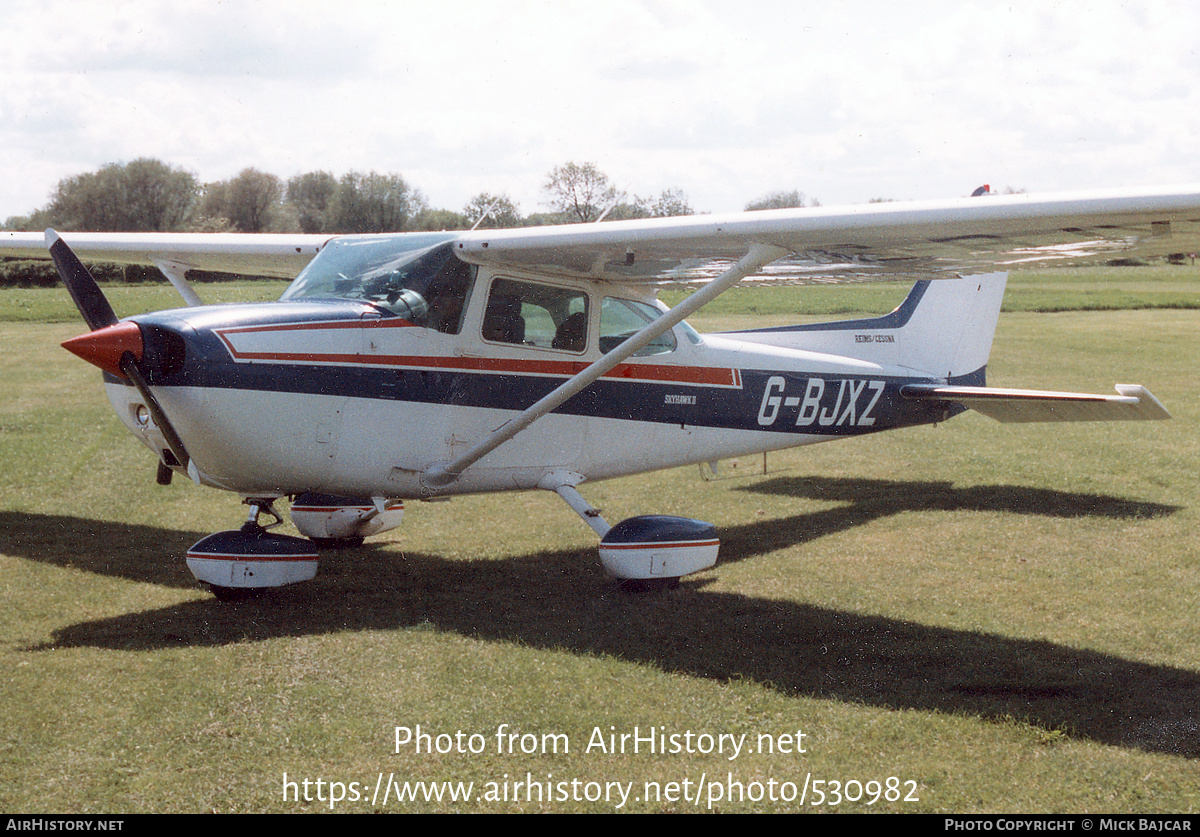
pixel 239 562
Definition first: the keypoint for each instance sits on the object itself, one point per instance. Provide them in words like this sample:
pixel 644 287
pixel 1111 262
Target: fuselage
pixel 346 396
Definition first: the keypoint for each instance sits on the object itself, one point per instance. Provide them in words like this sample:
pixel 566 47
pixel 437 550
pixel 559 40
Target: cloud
pixel 844 101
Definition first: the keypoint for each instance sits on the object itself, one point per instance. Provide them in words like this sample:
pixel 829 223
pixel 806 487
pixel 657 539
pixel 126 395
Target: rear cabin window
pixel 532 314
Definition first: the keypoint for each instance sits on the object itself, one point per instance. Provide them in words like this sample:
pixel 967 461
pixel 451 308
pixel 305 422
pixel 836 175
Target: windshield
pixel 415 276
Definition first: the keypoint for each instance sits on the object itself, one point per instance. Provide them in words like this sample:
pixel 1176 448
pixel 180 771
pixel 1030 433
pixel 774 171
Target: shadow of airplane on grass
pixel 560 600
pixel 865 500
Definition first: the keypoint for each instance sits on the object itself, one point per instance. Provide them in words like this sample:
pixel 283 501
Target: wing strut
pixel 176 273
pixel 441 474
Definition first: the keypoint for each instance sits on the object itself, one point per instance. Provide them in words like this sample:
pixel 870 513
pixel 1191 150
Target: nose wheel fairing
pixel 249 558
pixel 656 546
pixel 646 551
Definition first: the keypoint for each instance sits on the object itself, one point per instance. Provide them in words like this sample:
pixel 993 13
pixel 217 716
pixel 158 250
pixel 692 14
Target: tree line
pixel 147 195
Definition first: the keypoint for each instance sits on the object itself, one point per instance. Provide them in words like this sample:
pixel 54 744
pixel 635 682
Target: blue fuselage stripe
pixel 775 401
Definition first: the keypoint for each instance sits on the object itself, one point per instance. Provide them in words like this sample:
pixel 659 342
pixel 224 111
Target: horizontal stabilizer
pixel 1133 403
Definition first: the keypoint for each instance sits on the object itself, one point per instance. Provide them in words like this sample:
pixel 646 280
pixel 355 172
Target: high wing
pixel 281 255
pixel 868 242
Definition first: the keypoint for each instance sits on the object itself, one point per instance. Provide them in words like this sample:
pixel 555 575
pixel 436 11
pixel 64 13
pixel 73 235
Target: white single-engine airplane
pixel 413 365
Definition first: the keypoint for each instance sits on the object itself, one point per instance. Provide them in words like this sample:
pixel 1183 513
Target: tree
pixel 439 219
pixel 35 221
pixel 497 212
pixel 580 192
pixel 252 200
pixel 214 199
pixel 145 195
pixel 373 202
pixel 311 194
pixel 780 200
pixel 669 203
pixel 625 211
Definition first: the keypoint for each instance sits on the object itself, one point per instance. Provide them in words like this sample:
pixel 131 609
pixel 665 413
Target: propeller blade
pixel 122 342
pixel 88 297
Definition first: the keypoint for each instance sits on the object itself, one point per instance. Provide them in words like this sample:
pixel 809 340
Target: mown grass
pixel 1064 289
pixel 53 305
pixel 1004 615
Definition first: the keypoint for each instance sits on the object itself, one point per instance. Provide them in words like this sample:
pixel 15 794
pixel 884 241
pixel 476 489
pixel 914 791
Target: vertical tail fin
pixel 944 328
pixel 950 332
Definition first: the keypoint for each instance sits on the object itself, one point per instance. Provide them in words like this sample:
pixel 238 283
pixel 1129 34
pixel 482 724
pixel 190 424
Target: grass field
pixel 971 617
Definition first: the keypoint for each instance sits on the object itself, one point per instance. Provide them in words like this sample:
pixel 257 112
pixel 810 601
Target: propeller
pixel 114 346
pixel 82 287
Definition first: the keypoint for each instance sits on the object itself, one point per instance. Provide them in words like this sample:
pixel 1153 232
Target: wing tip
pixel 1149 406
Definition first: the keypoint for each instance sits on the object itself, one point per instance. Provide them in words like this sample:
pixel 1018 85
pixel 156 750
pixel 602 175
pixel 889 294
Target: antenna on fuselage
pixel 486 214
pixel 616 202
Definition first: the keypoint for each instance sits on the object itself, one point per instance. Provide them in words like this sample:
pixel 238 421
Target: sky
pixel 843 101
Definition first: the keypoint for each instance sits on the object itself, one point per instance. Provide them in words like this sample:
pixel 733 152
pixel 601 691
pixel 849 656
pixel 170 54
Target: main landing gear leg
pixel 649 552
pixel 238 562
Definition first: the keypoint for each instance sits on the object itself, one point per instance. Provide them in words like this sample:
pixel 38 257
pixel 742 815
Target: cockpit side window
pixel 532 314
pixel 447 295
pixel 430 291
